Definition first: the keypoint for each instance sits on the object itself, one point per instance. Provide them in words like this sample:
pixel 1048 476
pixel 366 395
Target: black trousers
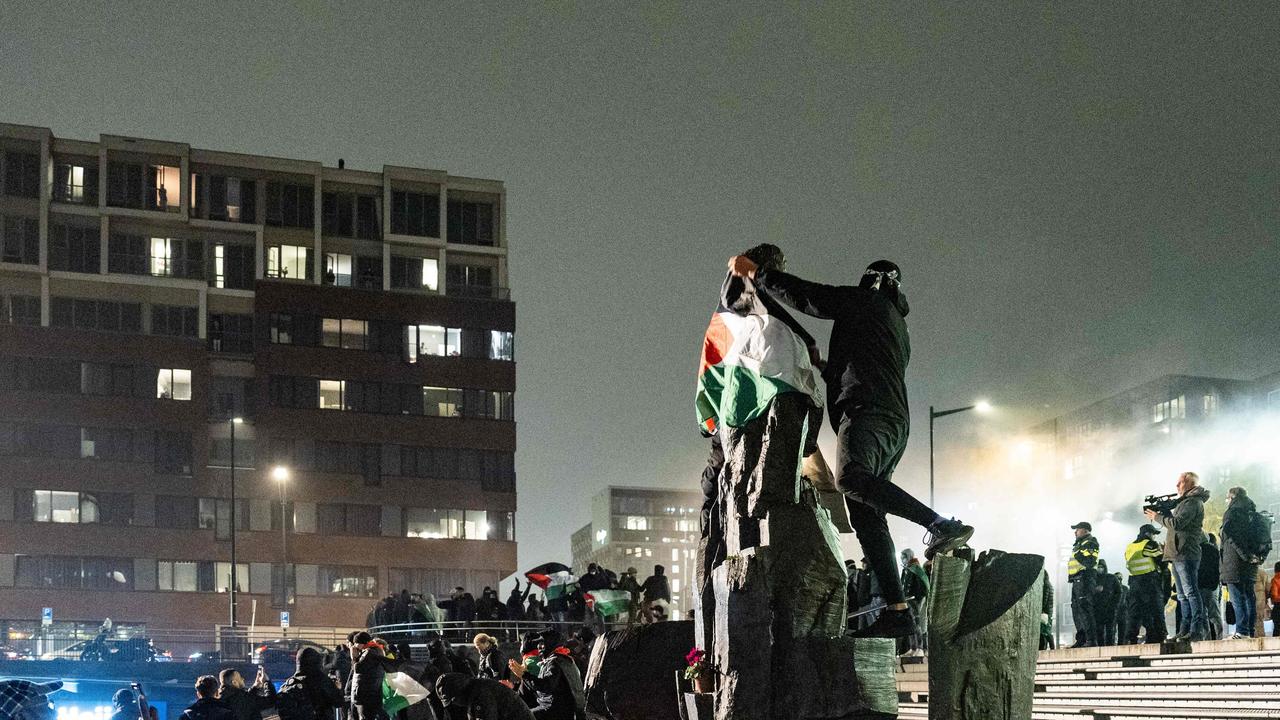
pixel 869 446
pixel 1146 608
pixel 1084 607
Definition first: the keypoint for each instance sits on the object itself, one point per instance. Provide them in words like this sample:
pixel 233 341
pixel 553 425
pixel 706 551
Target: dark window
pixel 117 380
pixel 288 329
pixel 343 519
pixel 19 240
pixel 22 174
pixel 176 511
pixel 233 266
pixel 231 333
pixel 290 205
pixel 472 281
pixel 75 183
pixel 231 397
pixel 173 453
pixel 174 321
pixel 294 392
pixel 229 199
pixel 415 213
pixel 414 273
pixel 172 257
pixel 91 573
pixel 369 272
pixel 215 514
pixel 368 217
pixel 471 222
pixel 102 315
pixel 74 248
pixel 20 309
pixel 128 254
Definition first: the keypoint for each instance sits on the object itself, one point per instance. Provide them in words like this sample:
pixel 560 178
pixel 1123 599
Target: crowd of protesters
pixel 1214 580
pixel 865 600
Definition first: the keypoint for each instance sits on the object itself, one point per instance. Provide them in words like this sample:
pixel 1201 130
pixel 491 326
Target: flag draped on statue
pixel 556 580
pixel 609 602
pixel 749 355
pixel 399 691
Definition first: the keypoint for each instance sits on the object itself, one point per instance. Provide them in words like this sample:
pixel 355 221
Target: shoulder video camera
pixel 1162 504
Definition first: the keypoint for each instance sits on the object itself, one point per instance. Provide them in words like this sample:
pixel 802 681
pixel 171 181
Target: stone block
pixel 632 672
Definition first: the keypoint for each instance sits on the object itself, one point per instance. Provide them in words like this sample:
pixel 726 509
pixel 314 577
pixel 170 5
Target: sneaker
pixel 947 535
pixel 890 624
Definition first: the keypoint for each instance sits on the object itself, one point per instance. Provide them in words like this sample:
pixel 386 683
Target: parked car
pixel 278 656
pixel 136 649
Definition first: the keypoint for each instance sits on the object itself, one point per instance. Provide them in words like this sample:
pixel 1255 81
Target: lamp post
pixel 982 406
pixel 280 474
pixel 231 584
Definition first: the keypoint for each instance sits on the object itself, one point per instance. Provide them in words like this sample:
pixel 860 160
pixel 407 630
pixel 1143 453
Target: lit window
pixel 161 256
pixel 331 392
pixel 74 190
pixel 430 273
pixel 337 269
pixel 501 345
pixel 173 384
pixel 675 584
pixel 344 333
pixel 287 261
pixel 441 402
pixel 1210 404
pixel 168 185
pixel 219 265
pixel 432 340
pixel 55 506
pixel 635 522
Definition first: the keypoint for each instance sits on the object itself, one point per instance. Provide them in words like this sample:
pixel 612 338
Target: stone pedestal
pixel 773 615
pixel 984 632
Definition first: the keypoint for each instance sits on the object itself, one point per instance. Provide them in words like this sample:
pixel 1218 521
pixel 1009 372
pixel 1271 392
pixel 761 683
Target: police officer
pixel 1147 594
pixel 1083 575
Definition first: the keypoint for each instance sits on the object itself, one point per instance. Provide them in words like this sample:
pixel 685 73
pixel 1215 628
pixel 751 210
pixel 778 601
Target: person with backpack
pixel 309 693
pixel 1246 541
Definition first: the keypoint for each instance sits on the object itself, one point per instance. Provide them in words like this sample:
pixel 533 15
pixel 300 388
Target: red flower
pixel 695 656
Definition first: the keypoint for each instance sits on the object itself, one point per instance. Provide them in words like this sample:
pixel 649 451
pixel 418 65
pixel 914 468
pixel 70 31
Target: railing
pixel 463 632
pixel 175 645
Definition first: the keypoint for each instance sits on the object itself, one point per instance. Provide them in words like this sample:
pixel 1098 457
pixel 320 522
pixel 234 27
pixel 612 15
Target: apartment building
pixel 640 528
pixel 337 341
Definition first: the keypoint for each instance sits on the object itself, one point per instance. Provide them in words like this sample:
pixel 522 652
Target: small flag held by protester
pixel 555 579
pixel 399 691
pixel 609 602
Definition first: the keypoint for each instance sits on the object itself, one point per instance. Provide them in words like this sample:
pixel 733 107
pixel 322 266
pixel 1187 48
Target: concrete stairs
pixel 1210 680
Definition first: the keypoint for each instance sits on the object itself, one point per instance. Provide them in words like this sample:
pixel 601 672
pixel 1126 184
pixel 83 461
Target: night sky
pixel 1081 197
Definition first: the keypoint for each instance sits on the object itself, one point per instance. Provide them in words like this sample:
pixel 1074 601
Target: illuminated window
pixel 1175 409
pixel 173 384
pixel 441 402
pixel 161 256
pixel 501 345
pixel 288 261
pixel 635 522
pixel 331 392
pixel 1210 405
pixel 432 340
pixel 337 269
pixel 344 333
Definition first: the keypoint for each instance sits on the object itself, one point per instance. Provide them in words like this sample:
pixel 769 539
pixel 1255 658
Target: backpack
pixel 1257 536
pixel 292 702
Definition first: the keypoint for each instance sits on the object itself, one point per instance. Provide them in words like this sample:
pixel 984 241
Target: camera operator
pixel 1184 524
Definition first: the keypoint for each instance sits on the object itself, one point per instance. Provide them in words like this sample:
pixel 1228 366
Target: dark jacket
pixel 1208 579
pixel 313 683
pixel 482 698
pixel 493 665
pixel 1236 565
pixel 1107 597
pixel 248 704
pixel 559 688
pixel 367 677
pixel 208 709
pixel 869 350
pixel 1084 551
pixel 1184 529
pixel 915 584
pixel 656 587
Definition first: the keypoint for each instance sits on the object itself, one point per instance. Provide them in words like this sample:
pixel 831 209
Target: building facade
pixel 640 528
pixel 161 305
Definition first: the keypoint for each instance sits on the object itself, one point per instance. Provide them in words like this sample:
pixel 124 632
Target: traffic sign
pixel 46 617
pixel 284 618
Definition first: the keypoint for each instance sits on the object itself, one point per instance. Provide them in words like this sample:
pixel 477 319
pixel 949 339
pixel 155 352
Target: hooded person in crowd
pixel 246 703
pixel 481 698
pixel 207 705
pixel 867 402
pixel 1184 527
pixel 368 673
pixel 488 606
pixel 1239 560
pixel 516 600
pixel 309 692
pixel 558 684
pixel 125 705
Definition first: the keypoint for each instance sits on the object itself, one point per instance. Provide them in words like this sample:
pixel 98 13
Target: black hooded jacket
pixel 482 698
pixel 1237 565
pixel 869 351
pixel 208 709
pixel 313 683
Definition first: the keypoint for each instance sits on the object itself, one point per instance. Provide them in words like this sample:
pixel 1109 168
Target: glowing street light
pixel 981 406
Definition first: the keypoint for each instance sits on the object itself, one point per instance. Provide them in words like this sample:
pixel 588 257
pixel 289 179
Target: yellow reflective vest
pixel 1084 556
pixel 1140 556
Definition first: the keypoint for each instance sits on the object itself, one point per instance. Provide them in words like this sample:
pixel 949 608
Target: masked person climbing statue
pixel 867 403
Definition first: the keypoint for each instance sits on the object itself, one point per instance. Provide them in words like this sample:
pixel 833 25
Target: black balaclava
pixel 881 275
pixel 767 257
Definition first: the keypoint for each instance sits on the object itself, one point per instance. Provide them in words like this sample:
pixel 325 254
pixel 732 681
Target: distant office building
pixel 640 528
pixel 358 323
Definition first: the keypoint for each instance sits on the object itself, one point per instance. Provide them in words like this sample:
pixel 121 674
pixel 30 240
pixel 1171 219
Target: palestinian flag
pixel 399 691
pixel 609 602
pixel 748 357
pixel 555 579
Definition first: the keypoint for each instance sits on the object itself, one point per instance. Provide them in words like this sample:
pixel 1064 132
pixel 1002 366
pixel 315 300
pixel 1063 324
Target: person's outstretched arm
pixel 810 298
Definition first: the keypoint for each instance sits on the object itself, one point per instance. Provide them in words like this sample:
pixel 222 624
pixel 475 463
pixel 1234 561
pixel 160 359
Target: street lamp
pixel 231 584
pixel 982 407
pixel 280 474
